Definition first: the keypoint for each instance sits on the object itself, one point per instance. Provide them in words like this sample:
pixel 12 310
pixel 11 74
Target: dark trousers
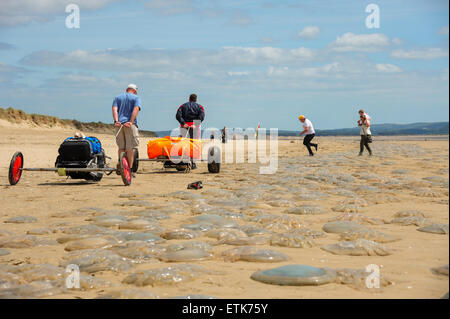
pixel 189 133
pixel 308 144
pixel 364 142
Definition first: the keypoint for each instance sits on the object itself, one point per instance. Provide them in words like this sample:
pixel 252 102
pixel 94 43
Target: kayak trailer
pixel 182 163
pixel 93 170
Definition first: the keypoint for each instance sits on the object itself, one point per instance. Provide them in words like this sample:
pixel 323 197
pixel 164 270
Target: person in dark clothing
pixel 307 142
pixel 224 135
pixel 190 115
pixel 187 114
pixel 364 143
pixel 366 134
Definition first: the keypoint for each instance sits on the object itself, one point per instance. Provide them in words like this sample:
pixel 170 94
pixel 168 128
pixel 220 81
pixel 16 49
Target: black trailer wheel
pixel 185 168
pixel 125 169
pixel 15 168
pixel 214 159
pixel 100 164
pixel 135 160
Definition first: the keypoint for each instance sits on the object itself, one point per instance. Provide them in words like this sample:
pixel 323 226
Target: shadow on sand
pixel 67 184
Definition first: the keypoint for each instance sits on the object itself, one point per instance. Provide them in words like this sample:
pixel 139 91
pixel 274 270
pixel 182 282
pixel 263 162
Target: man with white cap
pixel 125 109
pixel 308 130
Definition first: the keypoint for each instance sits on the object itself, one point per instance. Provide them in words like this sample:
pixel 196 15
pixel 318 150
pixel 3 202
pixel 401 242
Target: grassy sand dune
pixel 18 118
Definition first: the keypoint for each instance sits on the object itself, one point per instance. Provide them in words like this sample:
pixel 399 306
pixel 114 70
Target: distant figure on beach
pixel 366 134
pixel 224 135
pixel 125 109
pixel 187 114
pixel 308 130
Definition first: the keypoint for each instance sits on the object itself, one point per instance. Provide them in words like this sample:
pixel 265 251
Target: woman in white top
pixel 366 134
pixel 308 130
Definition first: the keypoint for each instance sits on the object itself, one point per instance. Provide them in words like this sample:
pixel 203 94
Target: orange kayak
pixel 167 147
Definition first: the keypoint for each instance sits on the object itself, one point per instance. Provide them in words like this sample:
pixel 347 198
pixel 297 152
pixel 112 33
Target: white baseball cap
pixel 132 86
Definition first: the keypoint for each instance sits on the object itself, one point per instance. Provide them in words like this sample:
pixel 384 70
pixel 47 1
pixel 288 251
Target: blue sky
pixel 248 61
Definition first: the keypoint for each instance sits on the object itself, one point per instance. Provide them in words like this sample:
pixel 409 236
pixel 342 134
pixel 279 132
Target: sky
pixel 248 61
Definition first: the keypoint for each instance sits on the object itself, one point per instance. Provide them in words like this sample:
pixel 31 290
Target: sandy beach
pixel 403 175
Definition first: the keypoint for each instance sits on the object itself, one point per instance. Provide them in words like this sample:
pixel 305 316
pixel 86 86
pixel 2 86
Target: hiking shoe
pixel 360 154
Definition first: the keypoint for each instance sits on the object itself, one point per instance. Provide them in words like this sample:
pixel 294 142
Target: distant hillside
pixel 163 133
pixel 18 116
pixel 436 128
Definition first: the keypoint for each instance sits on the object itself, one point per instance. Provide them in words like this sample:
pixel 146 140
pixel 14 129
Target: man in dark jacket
pixel 187 114
pixel 190 115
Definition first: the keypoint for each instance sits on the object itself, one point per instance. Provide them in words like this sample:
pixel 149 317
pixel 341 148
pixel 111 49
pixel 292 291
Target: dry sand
pixel 42 195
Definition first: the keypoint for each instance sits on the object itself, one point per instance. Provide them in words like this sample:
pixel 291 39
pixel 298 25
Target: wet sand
pixel 395 179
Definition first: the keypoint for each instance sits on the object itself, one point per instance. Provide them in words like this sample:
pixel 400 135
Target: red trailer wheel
pixel 15 168
pixel 125 169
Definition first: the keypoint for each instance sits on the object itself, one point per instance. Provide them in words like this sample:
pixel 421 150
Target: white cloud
pixel 80 80
pixel 302 53
pixel 423 54
pixel 162 59
pixel 444 30
pixel 388 68
pixel 277 71
pixel 347 71
pixel 238 73
pixel 332 67
pixel 244 69
pixel 350 42
pixel 309 32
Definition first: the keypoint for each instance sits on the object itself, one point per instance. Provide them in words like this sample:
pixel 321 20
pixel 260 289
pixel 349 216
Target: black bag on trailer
pixel 75 150
pixel 77 153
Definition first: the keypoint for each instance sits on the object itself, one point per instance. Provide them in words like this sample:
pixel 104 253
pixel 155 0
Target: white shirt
pixel 309 126
pixel 365 130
